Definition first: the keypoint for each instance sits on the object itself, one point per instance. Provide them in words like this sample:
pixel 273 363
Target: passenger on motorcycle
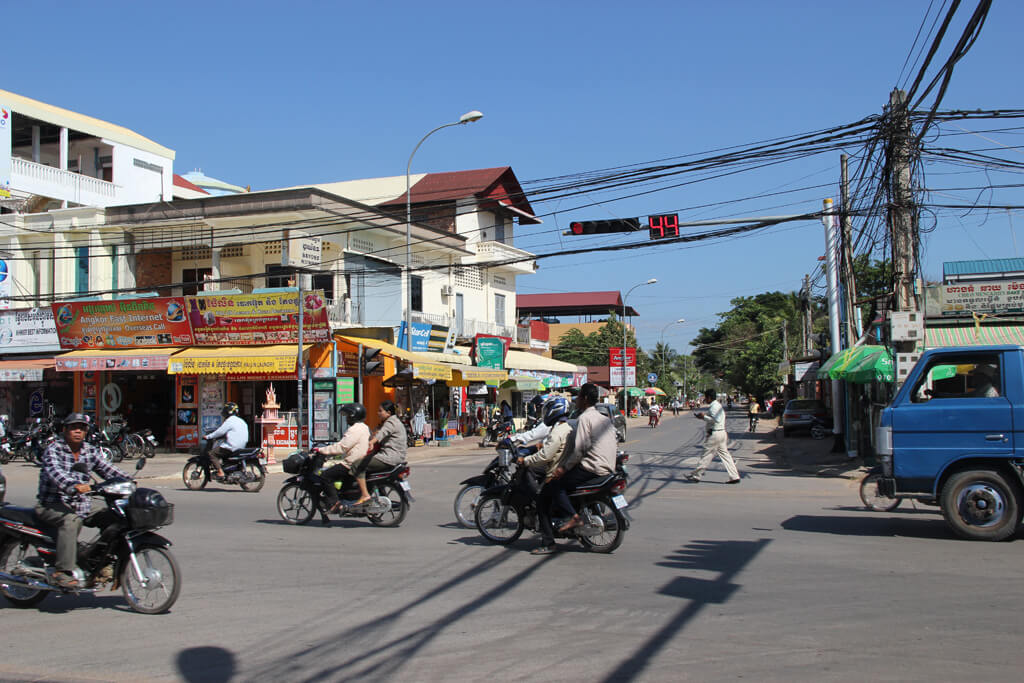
pixel 62 500
pixel 539 431
pixel 390 443
pixel 753 411
pixel 354 445
pixel 554 415
pixel 592 454
pixel 235 433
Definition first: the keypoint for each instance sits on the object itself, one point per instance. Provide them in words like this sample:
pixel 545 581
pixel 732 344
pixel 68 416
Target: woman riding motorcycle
pixel 354 446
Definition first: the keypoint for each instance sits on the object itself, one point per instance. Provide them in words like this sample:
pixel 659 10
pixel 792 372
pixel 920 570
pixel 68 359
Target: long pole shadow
pixel 728 558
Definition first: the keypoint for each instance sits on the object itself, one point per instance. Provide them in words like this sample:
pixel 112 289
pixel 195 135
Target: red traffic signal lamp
pixel 604 227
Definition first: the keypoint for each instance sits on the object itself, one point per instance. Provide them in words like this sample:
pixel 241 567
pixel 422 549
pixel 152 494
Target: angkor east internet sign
pixel 983 297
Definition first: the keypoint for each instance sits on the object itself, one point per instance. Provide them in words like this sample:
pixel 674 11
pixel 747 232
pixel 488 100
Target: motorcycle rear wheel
pixel 6 457
pixel 399 506
pixel 496 521
pixel 116 453
pixel 295 504
pixel 161 585
pixel 195 476
pixel 465 505
pixel 11 554
pixel 257 471
pixel 135 446
pixel 614 527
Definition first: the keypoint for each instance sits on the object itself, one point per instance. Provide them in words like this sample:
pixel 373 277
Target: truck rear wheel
pixel 980 505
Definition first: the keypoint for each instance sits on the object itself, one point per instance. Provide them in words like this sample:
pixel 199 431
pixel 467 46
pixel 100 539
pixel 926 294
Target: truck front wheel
pixel 980 505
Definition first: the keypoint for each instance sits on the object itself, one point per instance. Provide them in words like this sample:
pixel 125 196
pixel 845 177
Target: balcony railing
pixel 53 182
pixel 468 327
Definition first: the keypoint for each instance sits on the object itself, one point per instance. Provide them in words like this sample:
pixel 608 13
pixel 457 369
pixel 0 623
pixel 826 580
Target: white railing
pixel 469 326
pixel 65 185
pixel 500 250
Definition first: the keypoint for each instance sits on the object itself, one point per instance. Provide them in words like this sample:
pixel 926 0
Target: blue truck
pixel 954 436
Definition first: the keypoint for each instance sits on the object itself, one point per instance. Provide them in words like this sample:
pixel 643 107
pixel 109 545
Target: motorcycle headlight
pixel 120 488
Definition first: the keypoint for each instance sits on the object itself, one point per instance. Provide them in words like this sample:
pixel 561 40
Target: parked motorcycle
pixel 141 444
pixel 30 444
pixel 124 553
pixel 497 472
pixel 504 511
pixel 109 441
pixel 246 467
pixel 302 495
pixel 498 429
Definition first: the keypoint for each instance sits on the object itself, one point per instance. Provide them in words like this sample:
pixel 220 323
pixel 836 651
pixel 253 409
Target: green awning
pixel 522 383
pixel 871 367
pixel 971 335
pixel 634 391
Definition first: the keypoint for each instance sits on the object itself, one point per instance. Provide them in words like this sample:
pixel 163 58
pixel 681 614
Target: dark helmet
pixel 555 408
pixel 355 411
pixel 230 408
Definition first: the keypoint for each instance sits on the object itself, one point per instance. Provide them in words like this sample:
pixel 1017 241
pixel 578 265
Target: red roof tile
pixel 499 185
pixel 571 303
pixel 181 182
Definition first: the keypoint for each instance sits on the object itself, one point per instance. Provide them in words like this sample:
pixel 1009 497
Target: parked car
pixel 800 413
pixel 617 418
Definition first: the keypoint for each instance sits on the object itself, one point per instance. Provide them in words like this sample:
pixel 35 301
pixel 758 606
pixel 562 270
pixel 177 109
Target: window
pixel 499 309
pixel 325 281
pixel 279 276
pixel 81 269
pixel 193 279
pixel 416 287
pixel 950 377
pixel 499 229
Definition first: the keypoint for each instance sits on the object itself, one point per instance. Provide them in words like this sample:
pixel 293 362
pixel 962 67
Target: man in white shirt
pixel 235 433
pixel 716 441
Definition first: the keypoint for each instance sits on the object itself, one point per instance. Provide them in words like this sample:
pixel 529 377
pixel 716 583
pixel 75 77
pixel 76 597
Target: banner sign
pixel 6 126
pixel 30 329
pixel 268 318
pixel 122 324
pixel 615 357
pixel 961 299
pixel 490 352
pixel 5 284
pixel 111 362
pixel 425 337
pixel 272 365
pixel 301 251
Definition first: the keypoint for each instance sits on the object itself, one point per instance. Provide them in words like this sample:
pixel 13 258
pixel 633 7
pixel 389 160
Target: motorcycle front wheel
pixel 255 470
pixel 465 505
pixel 399 506
pixel 496 521
pixel 872 498
pixel 614 527
pixel 13 554
pixel 159 584
pixel 295 504
pixel 195 476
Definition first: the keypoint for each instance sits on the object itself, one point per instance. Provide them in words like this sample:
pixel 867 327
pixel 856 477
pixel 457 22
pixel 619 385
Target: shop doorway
pixel 144 401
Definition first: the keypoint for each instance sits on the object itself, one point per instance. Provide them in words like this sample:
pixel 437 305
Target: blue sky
pixel 274 95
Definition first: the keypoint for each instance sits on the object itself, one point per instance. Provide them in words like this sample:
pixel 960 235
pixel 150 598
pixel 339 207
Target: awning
pixel 521 383
pixel 131 360
pixel 387 349
pixel 971 335
pixel 28 370
pixel 634 391
pixel 217 360
pixel 860 365
pixel 521 360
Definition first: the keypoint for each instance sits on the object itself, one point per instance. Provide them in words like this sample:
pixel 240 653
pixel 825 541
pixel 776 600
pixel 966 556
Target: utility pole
pixel 805 307
pixel 902 212
pixel 853 328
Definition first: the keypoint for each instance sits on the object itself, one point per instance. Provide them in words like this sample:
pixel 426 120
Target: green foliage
pixel 873 279
pixel 592 349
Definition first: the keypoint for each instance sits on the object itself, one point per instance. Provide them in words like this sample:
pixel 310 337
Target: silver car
pixel 801 413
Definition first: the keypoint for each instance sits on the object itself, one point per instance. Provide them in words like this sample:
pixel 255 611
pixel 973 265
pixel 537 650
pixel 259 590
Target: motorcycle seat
pixel 591 485
pixel 26 516
pixel 384 474
pixel 245 452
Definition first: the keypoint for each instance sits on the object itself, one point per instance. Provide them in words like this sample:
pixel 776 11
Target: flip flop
pixel 544 550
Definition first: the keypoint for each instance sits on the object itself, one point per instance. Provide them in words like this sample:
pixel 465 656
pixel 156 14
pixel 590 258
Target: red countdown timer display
pixel 664 226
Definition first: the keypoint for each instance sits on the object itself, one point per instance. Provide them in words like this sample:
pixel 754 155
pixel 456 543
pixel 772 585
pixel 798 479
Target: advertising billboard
pixel 267 318
pixel 123 324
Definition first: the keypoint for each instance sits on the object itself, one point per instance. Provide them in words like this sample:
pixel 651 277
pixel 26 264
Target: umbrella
pixel 634 391
pixel 654 391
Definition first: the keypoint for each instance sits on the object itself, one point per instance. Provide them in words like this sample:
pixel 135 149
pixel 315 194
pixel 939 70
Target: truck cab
pixel 954 434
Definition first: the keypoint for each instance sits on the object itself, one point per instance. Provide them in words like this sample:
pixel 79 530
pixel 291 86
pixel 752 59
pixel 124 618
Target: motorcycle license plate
pixel 619 502
pixel 405 485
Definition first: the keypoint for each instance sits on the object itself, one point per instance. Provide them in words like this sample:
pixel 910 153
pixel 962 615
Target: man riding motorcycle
pixel 62 500
pixel 235 432
pixel 354 446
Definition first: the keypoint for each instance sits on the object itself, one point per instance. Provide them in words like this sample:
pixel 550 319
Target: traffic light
pixel 369 364
pixel 604 227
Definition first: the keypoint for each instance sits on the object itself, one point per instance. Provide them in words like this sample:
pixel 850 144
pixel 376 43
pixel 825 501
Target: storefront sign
pixel 246 319
pixel 5 284
pixel 301 251
pixel 22 375
pixel 962 299
pixel 435 371
pixel 425 337
pixel 805 372
pixel 122 324
pixel 345 391
pixel 490 352
pixel 111 362
pixel 232 364
pixel 29 329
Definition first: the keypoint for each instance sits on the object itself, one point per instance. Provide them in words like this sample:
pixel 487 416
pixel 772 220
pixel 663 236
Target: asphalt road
pixel 783 577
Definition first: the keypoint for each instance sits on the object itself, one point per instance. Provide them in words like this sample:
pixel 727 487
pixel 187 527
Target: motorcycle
pixel 753 422
pixel 498 429
pixel 653 417
pixel 497 472
pixel 110 444
pixel 141 444
pixel 30 444
pixel 504 511
pixel 246 467
pixel 302 495
pixel 125 553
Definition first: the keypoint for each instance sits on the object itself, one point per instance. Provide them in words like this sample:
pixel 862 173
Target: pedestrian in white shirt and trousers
pixel 716 442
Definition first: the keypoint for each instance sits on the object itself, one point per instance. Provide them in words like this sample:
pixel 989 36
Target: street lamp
pixel 468 117
pixel 649 282
pixel 674 322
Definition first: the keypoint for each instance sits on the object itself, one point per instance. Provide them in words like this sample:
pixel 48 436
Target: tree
pixel 592 349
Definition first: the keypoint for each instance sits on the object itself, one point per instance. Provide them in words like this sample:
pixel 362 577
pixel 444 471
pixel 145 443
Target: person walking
pixel 716 441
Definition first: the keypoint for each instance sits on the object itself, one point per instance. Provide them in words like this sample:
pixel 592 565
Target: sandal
pixel 65 580
pixel 544 550
pixel 571 524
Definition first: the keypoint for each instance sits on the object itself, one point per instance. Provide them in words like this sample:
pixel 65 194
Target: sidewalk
pixel 801 453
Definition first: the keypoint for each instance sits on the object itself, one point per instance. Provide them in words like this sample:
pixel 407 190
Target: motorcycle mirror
pixel 140 464
pixel 80 467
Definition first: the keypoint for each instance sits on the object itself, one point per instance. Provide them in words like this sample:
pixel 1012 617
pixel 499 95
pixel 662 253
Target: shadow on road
pixel 212 664
pixel 870 524
pixel 726 558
